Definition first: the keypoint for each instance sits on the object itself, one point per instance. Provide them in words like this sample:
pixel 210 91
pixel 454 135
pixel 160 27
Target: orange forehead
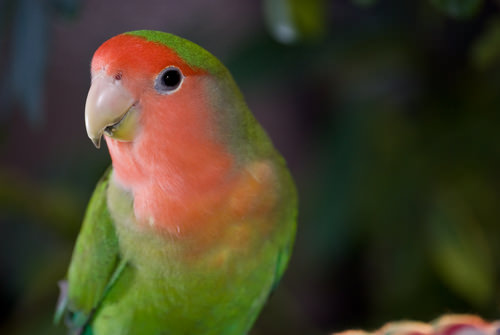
pixel 136 55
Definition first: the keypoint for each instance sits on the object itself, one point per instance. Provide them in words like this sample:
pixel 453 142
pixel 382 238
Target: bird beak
pixel 107 105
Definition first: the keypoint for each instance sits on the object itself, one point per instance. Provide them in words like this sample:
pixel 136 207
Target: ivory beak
pixel 107 104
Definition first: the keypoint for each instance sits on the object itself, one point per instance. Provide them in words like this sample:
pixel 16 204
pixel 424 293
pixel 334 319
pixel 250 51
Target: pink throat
pixel 169 180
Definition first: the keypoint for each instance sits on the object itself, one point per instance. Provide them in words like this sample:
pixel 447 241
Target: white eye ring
pixel 169 80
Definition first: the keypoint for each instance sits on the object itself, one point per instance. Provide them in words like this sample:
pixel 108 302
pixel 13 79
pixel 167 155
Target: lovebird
pixel 192 227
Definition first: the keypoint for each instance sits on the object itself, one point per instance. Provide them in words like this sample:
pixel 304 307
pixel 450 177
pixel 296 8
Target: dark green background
pixel 386 111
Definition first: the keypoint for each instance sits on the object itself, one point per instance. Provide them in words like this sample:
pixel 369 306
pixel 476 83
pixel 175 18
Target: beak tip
pixel 97 142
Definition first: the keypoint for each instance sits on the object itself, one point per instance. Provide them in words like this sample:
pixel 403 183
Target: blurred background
pixel 387 112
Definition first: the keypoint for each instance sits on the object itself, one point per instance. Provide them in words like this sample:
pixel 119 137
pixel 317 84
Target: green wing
pixel 95 264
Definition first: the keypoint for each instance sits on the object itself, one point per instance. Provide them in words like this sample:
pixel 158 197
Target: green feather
pixel 190 52
pixel 95 259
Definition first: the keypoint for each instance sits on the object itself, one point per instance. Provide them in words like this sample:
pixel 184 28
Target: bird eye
pixel 168 80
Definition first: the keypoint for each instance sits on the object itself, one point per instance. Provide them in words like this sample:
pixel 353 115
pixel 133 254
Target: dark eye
pixel 168 80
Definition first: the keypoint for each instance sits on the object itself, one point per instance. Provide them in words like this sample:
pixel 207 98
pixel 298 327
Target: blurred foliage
pixel 387 112
pixel 291 21
pixel 486 51
pixel 459 9
pixel 460 250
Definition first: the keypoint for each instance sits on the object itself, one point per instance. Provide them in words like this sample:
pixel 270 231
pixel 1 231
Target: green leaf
pixel 460 251
pixel 458 9
pixel 292 21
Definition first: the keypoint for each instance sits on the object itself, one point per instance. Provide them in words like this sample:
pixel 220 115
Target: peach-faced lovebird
pixel 192 227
